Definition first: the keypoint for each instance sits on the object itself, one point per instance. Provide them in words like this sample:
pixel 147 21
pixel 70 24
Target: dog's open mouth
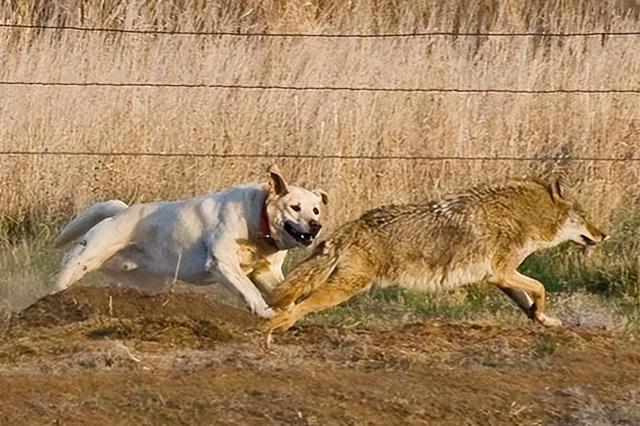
pixel 587 241
pixel 303 238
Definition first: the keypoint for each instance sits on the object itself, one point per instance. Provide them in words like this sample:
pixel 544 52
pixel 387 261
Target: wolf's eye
pixel 316 211
pixel 295 208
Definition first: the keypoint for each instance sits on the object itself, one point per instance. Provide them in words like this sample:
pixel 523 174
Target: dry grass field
pixel 385 339
pixel 288 122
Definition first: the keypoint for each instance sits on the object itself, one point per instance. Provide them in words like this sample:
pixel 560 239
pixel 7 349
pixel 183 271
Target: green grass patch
pixel 392 305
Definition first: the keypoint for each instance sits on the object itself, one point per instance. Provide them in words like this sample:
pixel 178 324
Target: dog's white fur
pixel 213 238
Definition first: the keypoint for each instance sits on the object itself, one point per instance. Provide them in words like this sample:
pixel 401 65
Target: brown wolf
pixel 481 234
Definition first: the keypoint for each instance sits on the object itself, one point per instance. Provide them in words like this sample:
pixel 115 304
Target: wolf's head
pixel 294 213
pixel 577 227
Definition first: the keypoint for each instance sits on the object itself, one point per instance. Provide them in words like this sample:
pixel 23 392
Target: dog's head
pixel 577 228
pixel 294 213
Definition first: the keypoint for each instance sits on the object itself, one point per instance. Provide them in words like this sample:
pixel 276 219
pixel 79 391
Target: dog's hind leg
pixel 99 244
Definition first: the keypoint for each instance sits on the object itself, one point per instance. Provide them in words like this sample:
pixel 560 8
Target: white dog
pixel 237 237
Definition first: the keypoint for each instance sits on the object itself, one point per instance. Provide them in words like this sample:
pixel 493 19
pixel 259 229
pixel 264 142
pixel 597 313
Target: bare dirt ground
pixel 110 356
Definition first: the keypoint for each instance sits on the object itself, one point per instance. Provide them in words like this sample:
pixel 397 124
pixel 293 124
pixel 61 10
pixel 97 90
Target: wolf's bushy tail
pixel 87 219
pixel 307 276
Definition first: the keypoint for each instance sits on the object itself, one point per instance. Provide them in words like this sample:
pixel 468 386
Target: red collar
pixel 264 225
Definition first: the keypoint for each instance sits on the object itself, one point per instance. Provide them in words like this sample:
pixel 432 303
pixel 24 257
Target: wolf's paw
pixel 548 321
pixel 281 322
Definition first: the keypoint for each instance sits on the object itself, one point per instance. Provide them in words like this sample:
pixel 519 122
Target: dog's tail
pixel 87 219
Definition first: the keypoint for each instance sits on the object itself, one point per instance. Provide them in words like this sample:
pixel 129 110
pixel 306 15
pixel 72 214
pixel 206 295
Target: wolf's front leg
pixel 515 282
pixel 521 299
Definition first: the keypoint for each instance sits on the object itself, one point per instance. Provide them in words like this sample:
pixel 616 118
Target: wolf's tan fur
pixel 481 234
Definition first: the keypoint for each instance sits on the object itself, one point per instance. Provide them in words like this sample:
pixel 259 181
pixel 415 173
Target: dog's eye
pixel 295 208
pixel 316 211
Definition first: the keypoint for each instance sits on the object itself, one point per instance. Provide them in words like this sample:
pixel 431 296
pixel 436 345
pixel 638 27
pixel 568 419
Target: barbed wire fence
pixel 315 88
pixel 322 35
pixel 297 88
pixel 313 156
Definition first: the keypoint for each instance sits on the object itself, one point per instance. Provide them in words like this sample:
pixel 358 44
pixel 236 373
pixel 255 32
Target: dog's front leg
pixel 224 266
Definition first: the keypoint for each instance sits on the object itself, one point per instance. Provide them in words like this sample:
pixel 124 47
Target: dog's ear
pixel 556 191
pixel 277 184
pixel 322 194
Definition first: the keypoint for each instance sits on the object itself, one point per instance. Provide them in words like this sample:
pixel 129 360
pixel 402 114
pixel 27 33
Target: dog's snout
pixel 314 226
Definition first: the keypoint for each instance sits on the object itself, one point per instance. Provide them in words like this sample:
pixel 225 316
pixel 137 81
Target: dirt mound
pixel 83 303
pixel 87 318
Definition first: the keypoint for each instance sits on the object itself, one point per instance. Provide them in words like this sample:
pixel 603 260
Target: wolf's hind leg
pixel 267 276
pixel 517 281
pixel 98 245
pixel 341 286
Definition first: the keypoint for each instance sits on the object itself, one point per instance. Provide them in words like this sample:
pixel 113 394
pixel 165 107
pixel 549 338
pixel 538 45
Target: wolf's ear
pixel 556 191
pixel 322 194
pixel 277 184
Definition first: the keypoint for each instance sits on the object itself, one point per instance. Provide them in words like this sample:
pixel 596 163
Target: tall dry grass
pixel 39 191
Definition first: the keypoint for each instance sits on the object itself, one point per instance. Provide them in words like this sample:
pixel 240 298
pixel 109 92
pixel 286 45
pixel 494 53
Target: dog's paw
pixel 58 288
pixel 548 321
pixel 260 308
pixel 265 312
pixel 62 282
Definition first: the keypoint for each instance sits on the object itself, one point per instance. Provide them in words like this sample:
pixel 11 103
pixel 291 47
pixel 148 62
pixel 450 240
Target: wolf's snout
pixel 587 241
pixel 314 227
pixel 593 238
pixel 596 234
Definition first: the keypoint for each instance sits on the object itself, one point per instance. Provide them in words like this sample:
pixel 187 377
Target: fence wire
pixel 296 88
pixel 318 156
pixel 413 34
